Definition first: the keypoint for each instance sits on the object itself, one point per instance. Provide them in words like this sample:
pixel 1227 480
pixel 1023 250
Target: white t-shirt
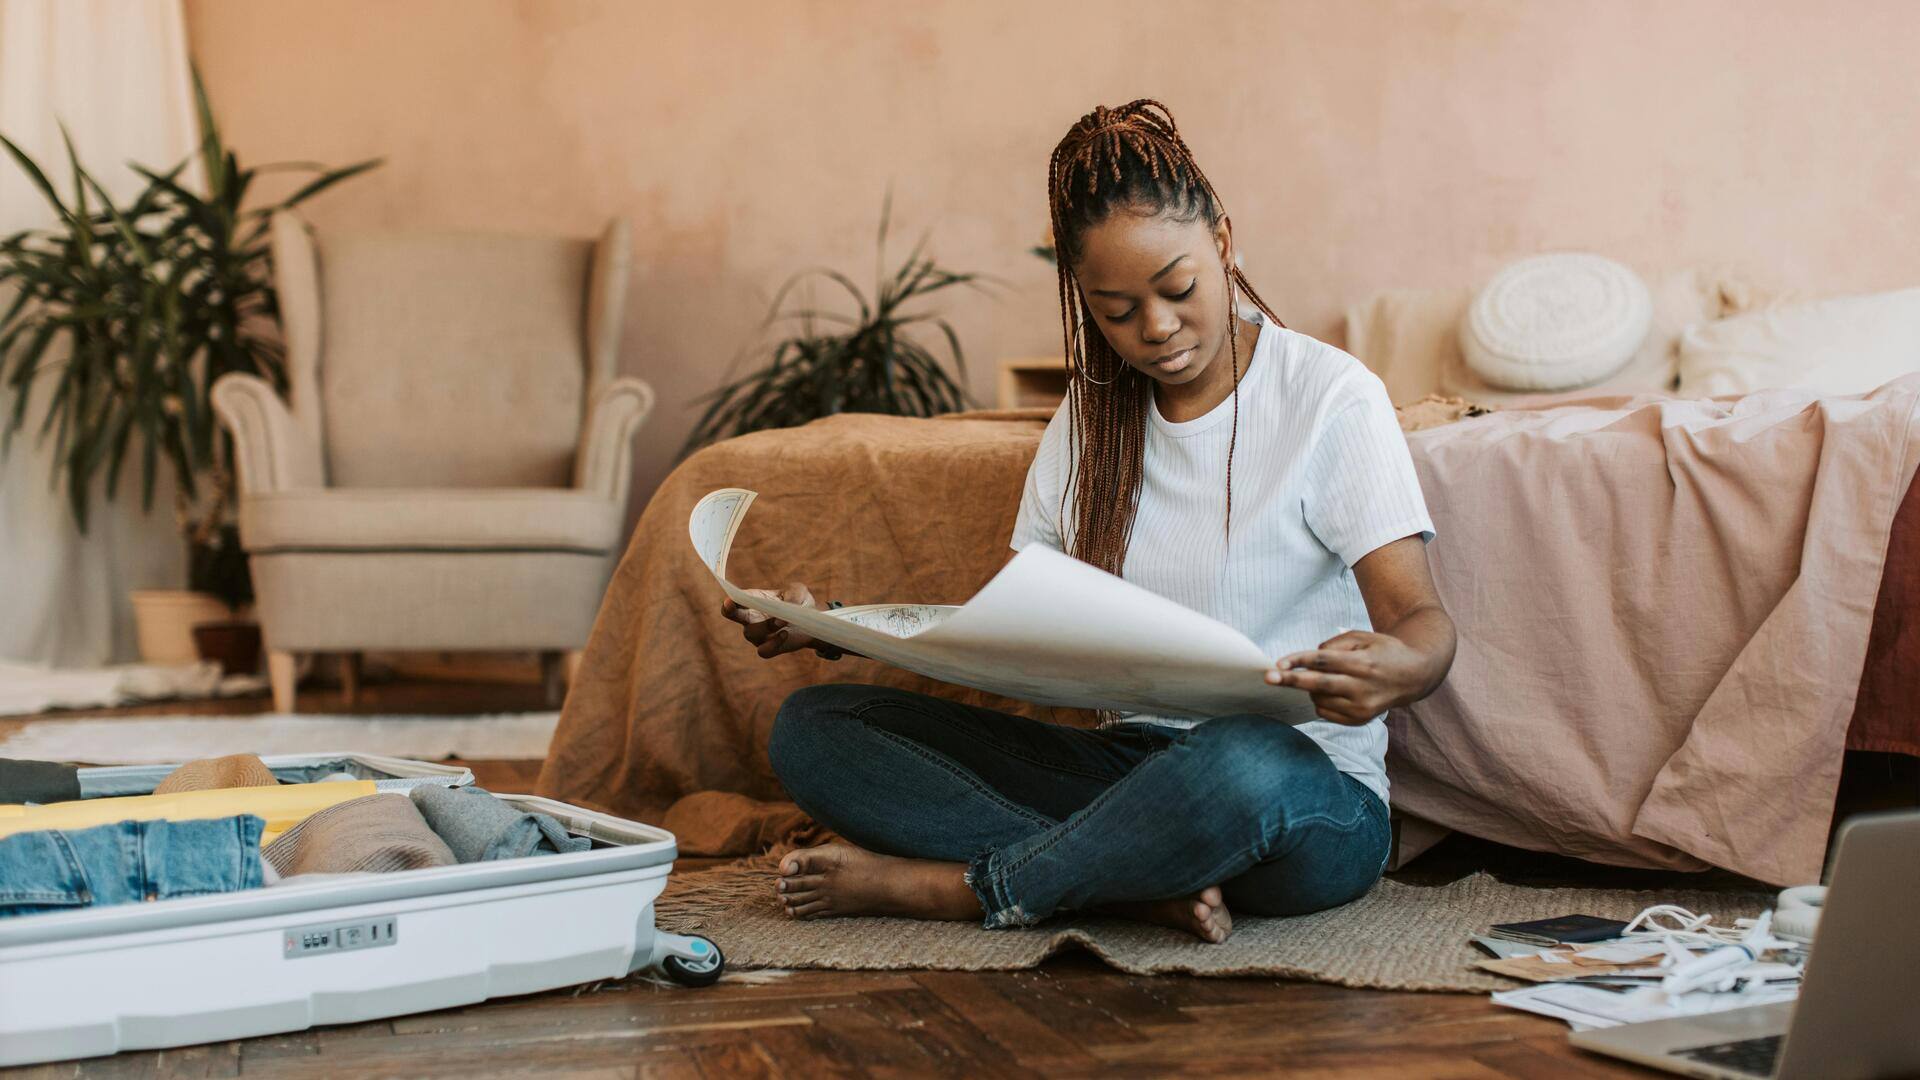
pixel 1321 477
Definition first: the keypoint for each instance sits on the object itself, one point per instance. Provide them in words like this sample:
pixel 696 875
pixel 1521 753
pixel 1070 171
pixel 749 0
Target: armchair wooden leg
pixel 350 678
pixel 557 672
pixel 553 676
pixel 283 670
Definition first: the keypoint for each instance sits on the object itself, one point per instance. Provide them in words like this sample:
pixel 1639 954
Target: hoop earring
pixel 1099 382
pixel 1080 340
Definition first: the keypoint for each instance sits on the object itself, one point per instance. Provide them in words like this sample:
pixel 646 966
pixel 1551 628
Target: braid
pixel 1114 158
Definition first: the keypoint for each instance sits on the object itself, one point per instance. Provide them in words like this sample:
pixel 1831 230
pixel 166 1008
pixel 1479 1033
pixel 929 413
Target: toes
pixel 1223 920
pixel 812 910
pixel 1204 924
pixel 804 861
pixel 1211 920
pixel 802 883
pixel 813 860
pixel 1210 911
pixel 801 907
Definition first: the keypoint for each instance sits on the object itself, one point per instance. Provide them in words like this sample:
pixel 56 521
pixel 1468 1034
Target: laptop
pixel 1856 1015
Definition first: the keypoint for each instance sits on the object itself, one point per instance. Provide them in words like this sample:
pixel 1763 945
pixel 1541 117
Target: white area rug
pixel 36 688
pixel 145 739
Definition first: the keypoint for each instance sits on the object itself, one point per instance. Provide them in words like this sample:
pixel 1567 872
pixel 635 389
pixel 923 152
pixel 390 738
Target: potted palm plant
pixel 126 315
pixel 867 361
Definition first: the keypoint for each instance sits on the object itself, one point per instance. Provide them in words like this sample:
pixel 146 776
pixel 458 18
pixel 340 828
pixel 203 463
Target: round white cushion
pixel 1556 322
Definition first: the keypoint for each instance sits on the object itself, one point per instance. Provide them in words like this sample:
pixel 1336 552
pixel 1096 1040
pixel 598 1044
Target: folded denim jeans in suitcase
pixel 128 862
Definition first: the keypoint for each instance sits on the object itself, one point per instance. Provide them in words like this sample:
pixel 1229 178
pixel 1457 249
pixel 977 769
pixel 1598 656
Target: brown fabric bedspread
pixel 1592 756
pixel 669 701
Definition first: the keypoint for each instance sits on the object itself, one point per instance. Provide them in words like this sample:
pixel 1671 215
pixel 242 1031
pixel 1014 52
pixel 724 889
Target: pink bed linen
pixel 1664 608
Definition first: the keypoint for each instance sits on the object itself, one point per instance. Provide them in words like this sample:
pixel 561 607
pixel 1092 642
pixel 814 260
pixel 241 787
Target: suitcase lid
pixel 387 773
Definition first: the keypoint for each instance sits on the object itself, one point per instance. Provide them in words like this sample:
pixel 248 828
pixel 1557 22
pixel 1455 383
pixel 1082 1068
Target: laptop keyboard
pixel 1755 1057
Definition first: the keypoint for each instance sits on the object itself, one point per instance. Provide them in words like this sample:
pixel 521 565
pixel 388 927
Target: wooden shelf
pixel 1031 382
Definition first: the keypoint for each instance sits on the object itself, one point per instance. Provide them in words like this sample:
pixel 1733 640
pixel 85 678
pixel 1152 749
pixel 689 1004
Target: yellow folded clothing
pixel 282 807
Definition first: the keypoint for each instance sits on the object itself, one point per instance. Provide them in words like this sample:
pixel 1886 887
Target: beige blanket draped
pixel 1663 606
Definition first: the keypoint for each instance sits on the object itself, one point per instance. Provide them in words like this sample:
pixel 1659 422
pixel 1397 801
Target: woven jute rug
pixel 1397 937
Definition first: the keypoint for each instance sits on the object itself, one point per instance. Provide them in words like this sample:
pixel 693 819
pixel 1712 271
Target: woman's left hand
pixel 1356 676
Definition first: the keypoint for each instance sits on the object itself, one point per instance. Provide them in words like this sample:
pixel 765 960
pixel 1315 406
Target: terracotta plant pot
pixel 234 644
pixel 165 618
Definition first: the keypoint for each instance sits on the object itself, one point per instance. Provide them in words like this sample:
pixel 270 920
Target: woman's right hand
pixel 769 636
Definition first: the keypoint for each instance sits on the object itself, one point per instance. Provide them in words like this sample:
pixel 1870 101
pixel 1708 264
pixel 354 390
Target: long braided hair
pixel 1126 159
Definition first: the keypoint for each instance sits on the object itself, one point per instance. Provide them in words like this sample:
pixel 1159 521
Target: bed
pixel 1707 628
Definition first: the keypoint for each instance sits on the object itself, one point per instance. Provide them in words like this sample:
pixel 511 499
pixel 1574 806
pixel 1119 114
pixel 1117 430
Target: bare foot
pixel 841 879
pixel 1204 914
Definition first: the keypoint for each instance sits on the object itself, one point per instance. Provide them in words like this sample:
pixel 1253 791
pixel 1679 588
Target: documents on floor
pixel 1048 628
pixel 1633 978
pixel 1587 1007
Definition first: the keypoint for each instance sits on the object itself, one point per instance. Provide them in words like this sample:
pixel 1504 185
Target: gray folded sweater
pixel 479 827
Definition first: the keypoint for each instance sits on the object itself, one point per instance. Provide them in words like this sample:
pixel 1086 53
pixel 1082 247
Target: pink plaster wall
pixel 1358 145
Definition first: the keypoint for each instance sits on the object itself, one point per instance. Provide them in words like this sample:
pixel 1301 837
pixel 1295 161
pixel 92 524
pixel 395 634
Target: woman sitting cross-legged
pixel 1246 471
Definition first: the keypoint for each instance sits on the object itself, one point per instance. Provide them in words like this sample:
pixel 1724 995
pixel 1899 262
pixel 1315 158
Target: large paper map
pixel 1048 628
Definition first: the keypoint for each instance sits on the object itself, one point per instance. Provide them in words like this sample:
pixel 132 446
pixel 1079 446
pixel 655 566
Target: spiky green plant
pixel 128 314
pixel 866 362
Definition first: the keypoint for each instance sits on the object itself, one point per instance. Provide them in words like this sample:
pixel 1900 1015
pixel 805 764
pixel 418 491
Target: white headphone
pixel 1798 913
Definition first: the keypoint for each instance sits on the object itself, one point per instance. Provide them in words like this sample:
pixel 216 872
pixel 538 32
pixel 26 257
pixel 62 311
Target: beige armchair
pixel 451 470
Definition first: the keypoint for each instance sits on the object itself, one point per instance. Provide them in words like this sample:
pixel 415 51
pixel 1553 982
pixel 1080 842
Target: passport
pixel 1561 930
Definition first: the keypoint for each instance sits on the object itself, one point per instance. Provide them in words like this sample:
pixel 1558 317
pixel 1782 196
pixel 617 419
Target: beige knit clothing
pixel 377 833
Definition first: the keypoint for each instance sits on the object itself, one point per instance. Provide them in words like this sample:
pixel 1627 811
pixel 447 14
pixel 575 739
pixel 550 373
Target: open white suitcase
pixel 287 957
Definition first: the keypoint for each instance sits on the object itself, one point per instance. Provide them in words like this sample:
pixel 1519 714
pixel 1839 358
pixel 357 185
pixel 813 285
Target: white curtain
pixel 115 72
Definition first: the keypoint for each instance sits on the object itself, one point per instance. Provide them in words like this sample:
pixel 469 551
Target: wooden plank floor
pixel 1072 1016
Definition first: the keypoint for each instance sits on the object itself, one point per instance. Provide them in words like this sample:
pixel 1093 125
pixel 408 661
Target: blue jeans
pixel 1051 818
pixel 69 869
